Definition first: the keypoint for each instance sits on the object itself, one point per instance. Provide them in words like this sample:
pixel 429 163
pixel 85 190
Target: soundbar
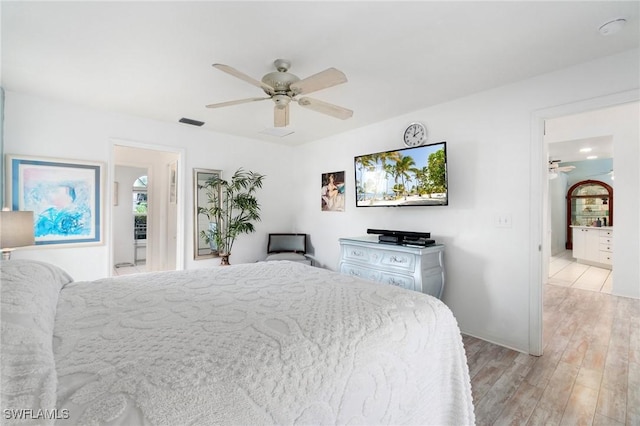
pixel 388 236
pixel 405 234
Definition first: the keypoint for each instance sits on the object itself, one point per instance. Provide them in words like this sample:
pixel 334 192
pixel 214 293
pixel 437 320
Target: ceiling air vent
pixel 190 121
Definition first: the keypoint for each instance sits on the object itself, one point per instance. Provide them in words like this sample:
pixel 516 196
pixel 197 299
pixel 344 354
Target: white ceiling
pixel 153 59
pixel 569 151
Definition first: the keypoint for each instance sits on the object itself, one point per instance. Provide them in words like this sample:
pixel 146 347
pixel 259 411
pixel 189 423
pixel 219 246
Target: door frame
pixel 180 213
pixel 539 208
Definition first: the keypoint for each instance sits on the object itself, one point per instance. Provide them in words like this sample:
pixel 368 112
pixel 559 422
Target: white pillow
pixel 29 299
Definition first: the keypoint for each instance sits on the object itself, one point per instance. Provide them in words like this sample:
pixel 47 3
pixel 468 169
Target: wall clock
pixel 415 134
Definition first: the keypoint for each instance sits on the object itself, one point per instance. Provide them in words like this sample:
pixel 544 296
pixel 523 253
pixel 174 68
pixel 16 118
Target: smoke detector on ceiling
pixel 612 26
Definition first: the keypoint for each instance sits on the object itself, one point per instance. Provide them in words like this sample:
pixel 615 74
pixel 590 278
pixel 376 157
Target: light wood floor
pixel 589 373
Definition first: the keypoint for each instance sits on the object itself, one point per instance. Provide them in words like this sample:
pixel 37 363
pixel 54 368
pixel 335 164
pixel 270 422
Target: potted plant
pixel 233 208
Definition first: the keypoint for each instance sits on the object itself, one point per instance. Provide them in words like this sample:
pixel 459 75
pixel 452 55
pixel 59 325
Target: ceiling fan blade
pixel 239 101
pixel 325 108
pixel 565 168
pixel 327 78
pixel 281 116
pixel 242 76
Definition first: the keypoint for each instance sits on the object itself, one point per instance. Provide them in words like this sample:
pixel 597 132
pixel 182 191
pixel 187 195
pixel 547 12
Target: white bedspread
pixel 264 343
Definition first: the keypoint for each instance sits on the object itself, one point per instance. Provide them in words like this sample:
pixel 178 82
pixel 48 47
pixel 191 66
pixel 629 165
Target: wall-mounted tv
pixel 403 177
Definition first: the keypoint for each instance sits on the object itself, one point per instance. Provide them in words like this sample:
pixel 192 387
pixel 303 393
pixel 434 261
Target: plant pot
pixel 224 259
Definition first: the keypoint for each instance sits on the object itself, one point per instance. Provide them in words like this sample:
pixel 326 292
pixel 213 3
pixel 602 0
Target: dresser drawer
pixel 606 239
pixel 361 272
pixel 380 257
pixel 378 276
pixel 398 280
pixel 606 257
pixel 606 233
pixel 405 262
pixel 606 247
pixel 360 254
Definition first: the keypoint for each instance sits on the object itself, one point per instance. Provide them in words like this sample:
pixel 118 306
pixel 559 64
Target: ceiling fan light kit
pixel 283 87
pixel 279 132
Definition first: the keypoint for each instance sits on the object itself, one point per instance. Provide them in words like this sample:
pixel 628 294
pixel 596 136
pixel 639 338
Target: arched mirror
pixel 589 203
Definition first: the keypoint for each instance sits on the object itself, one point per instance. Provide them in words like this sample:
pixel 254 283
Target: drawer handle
pixel 357 253
pixel 396 259
pixel 354 273
pixel 392 281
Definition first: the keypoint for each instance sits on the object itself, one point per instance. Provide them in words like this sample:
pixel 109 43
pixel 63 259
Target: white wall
pixel 41 127
pixel 489 141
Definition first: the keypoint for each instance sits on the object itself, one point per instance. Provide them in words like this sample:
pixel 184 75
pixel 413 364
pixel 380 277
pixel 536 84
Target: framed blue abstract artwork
pixel 64 196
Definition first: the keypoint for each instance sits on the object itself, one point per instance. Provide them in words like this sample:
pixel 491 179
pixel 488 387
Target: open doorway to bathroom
pixel 581 202
pixel 625 146
pixel 145 210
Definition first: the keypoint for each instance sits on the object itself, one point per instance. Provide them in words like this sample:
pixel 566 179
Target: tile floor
pixel 566 272
pixel 129 268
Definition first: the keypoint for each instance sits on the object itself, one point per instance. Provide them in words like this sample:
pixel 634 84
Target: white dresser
pixel 593 245
pixel 411 267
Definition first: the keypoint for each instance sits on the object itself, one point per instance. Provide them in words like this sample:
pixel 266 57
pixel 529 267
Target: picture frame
pixel 332 191
pixel 64 195
pixel 173 182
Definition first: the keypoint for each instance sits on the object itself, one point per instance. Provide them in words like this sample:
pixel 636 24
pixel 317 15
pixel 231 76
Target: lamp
pixel 16 230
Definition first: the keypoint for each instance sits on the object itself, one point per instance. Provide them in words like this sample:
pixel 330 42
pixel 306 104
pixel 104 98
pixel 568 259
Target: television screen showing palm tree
pixel 403 177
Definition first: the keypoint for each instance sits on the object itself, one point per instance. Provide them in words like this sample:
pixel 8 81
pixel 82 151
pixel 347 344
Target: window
pixel 140 208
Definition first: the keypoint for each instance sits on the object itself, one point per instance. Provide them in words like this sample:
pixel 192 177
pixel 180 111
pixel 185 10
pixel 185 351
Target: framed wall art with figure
pixel 332 192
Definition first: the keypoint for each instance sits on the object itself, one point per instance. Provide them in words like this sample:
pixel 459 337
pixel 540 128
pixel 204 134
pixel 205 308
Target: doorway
pixel 148 190
pixel 541 228
pixel 130 211
pixel 581 201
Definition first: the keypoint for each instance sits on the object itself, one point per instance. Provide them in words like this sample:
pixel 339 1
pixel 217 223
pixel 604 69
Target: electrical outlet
pixel 503 220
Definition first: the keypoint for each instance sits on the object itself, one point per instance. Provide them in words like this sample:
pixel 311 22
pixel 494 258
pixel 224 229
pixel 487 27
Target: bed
pixel 265 343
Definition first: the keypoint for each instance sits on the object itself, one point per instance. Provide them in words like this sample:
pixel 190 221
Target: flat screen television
pixel 403 177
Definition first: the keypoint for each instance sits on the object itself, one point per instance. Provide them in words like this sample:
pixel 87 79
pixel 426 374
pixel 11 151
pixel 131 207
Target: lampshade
pixel 16 230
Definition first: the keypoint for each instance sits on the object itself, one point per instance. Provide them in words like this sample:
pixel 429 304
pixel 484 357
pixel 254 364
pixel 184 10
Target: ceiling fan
pixel 284 87
pixel 555 168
